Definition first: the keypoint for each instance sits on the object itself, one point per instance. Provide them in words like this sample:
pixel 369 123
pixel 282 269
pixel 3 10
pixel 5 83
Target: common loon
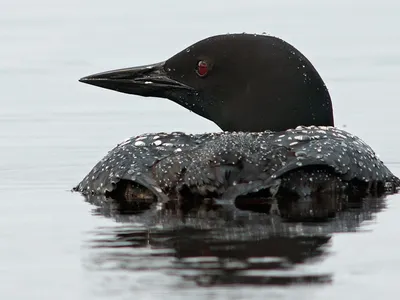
pixel 279 136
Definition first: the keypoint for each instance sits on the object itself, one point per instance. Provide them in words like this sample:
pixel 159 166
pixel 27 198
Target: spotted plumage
pixel 228 165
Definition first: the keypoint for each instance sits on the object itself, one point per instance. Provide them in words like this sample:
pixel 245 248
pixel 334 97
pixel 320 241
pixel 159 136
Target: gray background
pixel 53 129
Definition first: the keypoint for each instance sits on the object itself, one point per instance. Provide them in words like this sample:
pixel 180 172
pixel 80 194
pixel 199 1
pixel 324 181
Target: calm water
pixel 54 245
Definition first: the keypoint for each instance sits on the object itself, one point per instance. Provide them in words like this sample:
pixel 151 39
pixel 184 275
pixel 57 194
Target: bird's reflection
pixel 203 257
pixel 210 249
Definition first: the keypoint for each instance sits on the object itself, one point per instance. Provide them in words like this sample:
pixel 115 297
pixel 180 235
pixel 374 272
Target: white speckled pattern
pixel 232 163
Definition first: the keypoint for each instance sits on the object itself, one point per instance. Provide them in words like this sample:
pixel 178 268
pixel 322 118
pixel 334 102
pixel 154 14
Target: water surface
pixel 54 129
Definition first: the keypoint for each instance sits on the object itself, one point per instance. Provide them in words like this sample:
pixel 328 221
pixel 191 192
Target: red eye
pixel 202 68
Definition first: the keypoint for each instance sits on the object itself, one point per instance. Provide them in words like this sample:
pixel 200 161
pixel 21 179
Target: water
pixel 54 245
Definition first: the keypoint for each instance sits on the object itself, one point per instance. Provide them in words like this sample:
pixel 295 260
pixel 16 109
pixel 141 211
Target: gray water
pixel 54 245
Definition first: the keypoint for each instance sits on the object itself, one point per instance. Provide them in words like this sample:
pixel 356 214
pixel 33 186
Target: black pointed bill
pixel 149 80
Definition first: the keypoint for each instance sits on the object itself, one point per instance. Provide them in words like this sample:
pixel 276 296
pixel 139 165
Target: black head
pixel 242 82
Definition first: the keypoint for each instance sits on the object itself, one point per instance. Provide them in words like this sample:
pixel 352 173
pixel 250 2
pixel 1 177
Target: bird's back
pixel 229 164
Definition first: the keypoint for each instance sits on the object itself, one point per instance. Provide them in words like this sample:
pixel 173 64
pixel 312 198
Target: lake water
pixel 54 245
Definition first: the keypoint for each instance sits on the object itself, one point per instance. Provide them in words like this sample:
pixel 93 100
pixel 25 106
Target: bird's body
pixel 229 165
pixel 271 96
